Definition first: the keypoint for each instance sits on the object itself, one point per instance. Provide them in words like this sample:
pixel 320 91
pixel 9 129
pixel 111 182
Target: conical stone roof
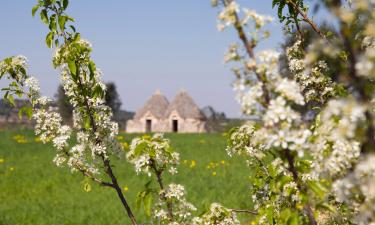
pixel 157 104
pixel 185 107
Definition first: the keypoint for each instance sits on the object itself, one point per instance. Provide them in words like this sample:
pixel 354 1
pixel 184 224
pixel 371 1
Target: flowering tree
pixel 94 131
pixel 311 152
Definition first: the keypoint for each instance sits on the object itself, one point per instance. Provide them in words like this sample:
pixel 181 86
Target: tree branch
pixel 294 172
pixel 249 46
pixel 107 164
pixel 306 18
pixel 85 173
pixel 160 182
pixel 245 211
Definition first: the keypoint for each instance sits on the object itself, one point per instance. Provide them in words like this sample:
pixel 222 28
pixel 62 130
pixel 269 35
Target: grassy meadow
pixel 33 191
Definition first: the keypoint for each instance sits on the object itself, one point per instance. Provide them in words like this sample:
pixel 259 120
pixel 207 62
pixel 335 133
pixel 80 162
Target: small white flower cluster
pixel 290 190
pixel 279 111
pixel 228 15
pixel 268 64
pixel 182 209
pixel 96 132
pixel 315 86
pixel 176 191
pixel 48 122
pixel 232 53
pixel 16 65
pixel 218 215
pixel 249 90
pixel 290 90
pixel 33 85
pixel 357 189
pixel 149 153
pixel 292 139
pixel 231 13
pixel 335 147
pixel 249 98
pixel 239 141
pixel 365 65
pixel 259 20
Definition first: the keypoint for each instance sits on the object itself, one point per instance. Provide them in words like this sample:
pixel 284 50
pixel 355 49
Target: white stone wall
pixel 166 125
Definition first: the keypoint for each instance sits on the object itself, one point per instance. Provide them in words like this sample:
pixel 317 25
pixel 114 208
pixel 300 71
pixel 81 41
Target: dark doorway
pixel 175 126
pixel 148 126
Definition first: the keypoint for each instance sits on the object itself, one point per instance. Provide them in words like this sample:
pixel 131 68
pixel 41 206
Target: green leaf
pixel 293 219
pixel 280 11
pixel 318 189
pixel 44 16
pixel 86 121
pixel 62 21
pixel 326 206
pixel 11 100
pixel 52 23
pixel 49 39
pixel 34 9
pixel 29 112
pixel 92 69
pixel 72 67
pixel 138 200
pixel 274 2
pixel 139 149
pixel 77 37
pixel 98 92
pixel 147 202
pixel 73 28
pixel 65 4
pixel 70 18
pixel 20 112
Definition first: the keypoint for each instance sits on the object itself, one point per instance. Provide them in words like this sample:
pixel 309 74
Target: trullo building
pixel 182 115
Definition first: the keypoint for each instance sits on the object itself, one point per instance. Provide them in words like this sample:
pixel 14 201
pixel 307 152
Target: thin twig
pixel 245 211
pixel 160 182
pixel 294 172
pixel 306 18
pixel 249 46
pixel 85 173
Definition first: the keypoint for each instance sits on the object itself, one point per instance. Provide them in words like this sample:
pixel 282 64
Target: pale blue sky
pixel 141 45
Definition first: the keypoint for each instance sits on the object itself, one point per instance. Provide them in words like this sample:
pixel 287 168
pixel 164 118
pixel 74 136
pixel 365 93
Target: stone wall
pixel 166 125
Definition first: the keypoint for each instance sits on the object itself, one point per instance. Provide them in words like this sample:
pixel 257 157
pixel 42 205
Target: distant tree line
pixel 112 99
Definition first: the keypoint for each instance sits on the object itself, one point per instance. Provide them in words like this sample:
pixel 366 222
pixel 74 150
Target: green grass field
pixel 33 191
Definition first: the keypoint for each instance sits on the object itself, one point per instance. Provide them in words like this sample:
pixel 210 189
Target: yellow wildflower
pixel 11 168
pixel 125 188
pixel 2 160
pixel 214 173
pixel 20 139
pixel 125 145
pixel 222 162
pixel 120 138
pixel 193 163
